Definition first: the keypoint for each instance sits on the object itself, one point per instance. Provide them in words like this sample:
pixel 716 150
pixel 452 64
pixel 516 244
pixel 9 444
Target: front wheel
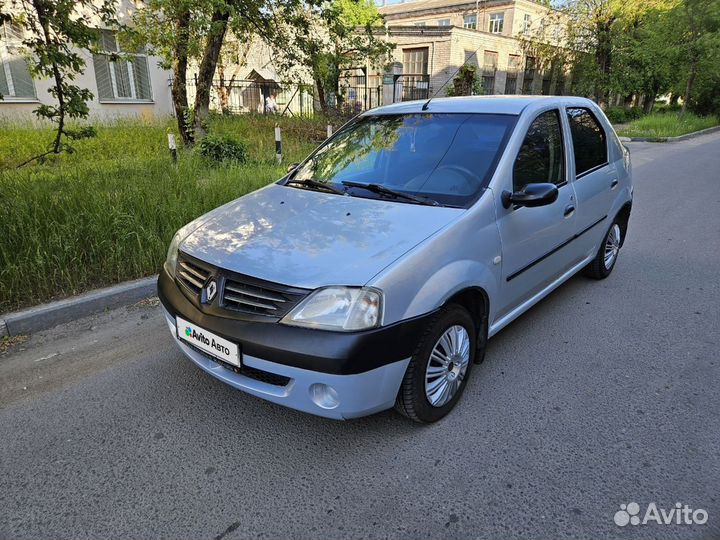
pixel 607 255
pixel 439 369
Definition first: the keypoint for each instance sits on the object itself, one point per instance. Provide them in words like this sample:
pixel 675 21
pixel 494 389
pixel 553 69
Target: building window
pixel 470 21
pixel 444 22
pixel 415 61
pixel 15 79
pixel 121 78
pixel 547 83
pixel 420 23
pixel 490 61
pixel 528 75
pixel 471 57
pixel 496 22
pixel 527 22
pixel 512 74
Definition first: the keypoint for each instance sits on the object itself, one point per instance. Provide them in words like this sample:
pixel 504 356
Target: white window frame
pixel 497 23
pixel 7 44
pixel 470 25
pixel 527 22
pixel 444 22
pixel 131 77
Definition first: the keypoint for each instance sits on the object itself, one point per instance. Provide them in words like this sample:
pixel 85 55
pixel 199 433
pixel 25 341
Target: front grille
pixel 191 275
pixel 259 298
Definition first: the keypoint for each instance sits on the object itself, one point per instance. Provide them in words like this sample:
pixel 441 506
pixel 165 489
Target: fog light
pixel 324 396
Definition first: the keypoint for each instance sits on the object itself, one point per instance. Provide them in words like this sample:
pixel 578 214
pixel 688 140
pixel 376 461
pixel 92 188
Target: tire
pixel 413 400
pixel 607 255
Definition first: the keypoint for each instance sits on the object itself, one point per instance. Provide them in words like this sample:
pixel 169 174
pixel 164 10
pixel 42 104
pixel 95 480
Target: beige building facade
pixel 435 37
pixel 132 86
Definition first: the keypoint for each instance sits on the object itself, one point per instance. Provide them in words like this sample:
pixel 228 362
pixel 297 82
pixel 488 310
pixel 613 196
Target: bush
pixel 622 115
pixel 616 115
pixel 222 148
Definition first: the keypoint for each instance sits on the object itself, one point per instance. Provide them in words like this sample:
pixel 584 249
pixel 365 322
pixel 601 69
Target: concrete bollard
pixel 172 146
pixel 278 144
pixel 329 131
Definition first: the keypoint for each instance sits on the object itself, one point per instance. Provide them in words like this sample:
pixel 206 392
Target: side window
pixel 541 157
pixel 589 140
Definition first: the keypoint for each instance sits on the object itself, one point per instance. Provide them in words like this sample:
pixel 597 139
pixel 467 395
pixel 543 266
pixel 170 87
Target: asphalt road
pixel 605 393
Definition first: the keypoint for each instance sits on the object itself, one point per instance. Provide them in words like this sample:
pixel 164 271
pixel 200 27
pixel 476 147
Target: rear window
pixel 447 157
pixel 589 140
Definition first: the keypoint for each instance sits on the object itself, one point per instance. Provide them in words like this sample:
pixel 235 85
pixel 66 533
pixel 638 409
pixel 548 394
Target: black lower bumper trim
pixel 341 353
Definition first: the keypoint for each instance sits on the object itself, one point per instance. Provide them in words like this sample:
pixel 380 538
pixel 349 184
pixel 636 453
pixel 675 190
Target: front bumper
pixel 281 363
pixel 358 394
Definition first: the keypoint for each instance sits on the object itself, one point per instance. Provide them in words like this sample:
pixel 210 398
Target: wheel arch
pixel 623 218
pixel 476 300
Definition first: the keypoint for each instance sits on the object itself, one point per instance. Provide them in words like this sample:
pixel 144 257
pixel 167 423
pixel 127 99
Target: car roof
pixel 476 104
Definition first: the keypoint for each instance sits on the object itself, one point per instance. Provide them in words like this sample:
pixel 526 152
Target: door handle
pixel 614 183
pixel 569 209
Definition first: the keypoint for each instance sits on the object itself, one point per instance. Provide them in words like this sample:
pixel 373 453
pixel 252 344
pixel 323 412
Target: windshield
pixel 448 158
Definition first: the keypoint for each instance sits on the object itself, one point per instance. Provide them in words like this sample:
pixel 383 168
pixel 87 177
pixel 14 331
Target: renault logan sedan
pixel 374 272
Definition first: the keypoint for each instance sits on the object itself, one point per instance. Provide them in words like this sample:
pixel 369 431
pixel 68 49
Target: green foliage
pixel 55 32
pixel 621 115
pixel 330 37
pixel 466 82
pixel 635 48
pixel 107 212
pixel 670 124
pixel 223 149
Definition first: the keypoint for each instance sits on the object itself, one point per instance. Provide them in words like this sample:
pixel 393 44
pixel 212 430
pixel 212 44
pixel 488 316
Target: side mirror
pixel 531 195
pixel 292 167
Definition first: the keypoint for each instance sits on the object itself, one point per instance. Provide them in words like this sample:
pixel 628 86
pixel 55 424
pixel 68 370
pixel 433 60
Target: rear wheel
pixel 604 262
pixel 439 369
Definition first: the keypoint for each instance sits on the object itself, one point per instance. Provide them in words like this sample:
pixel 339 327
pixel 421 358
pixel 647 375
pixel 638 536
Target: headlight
pixel 339 308
pixel 172 255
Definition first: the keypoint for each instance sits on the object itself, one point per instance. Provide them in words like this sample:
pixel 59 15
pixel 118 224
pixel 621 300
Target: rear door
pixel 533 239
pixel 594 178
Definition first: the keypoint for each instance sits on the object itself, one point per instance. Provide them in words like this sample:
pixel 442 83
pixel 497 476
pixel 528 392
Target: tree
pixel 333 37
pixel 54 33
pixel 466 82
pixel 181 31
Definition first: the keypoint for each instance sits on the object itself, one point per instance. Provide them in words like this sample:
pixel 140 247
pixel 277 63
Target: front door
pixel 534 240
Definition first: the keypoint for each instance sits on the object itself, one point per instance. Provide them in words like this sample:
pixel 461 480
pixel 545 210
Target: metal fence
pixel 258 96
pixel 356 93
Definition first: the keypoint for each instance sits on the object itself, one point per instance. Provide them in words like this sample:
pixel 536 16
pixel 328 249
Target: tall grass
pixel 107 212
pixel 667 124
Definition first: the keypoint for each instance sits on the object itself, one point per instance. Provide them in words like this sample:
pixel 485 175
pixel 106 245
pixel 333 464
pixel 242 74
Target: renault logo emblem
pixel 210 291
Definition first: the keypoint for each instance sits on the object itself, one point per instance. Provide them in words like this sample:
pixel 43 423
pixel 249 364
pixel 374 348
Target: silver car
pixel 373 274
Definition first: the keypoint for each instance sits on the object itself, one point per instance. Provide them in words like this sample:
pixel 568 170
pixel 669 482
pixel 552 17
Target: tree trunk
pixel 690 84
pixel 43 20
pixel 648 103
pixel 603 57
pixel 321 93
pixel 206 71
pixel 179 86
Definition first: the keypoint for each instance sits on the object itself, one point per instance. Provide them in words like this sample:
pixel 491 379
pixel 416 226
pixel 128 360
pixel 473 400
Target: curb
pixel 46 316
pixel 672 139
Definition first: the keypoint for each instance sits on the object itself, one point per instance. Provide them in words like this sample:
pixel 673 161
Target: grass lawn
pixel 670 124
pixel 106 213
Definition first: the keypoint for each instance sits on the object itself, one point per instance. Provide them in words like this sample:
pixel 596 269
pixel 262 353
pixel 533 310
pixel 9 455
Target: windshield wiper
pixel 309 182
pixel 378 188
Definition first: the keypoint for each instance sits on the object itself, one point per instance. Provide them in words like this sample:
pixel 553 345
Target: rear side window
pixel 541 157
pixel 589 140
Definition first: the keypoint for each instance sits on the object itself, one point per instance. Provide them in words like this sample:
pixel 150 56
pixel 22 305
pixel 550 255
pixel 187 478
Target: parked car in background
pixel 373 274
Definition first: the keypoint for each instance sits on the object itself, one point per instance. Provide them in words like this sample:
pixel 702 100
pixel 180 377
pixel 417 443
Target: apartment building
pixel 435 37
pixel 134 85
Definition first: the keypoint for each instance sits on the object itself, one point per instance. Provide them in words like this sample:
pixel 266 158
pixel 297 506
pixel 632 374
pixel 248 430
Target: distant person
pixel 271 105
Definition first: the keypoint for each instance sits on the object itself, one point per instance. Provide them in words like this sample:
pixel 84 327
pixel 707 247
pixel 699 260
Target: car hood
pixel 310 239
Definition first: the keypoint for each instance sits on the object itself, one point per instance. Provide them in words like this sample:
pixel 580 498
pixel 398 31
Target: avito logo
pixel 678 515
